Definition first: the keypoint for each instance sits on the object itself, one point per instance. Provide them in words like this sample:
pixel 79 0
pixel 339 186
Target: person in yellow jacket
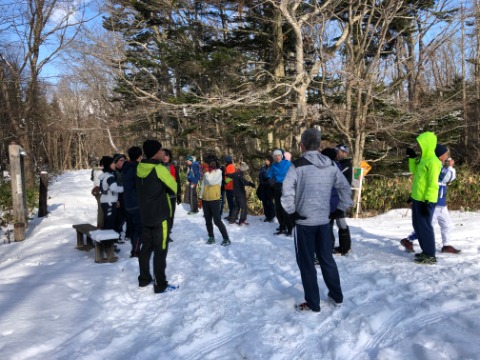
pixel 210 194
pixel 424 196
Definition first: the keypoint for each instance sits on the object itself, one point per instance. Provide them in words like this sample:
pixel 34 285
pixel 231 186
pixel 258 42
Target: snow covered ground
pixel 234 302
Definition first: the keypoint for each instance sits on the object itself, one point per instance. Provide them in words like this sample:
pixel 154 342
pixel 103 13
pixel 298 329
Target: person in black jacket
pixel 265 190
pixel 134 220
pixel 154 186
pixel 345 162
pixel 344 239
pixel 240 195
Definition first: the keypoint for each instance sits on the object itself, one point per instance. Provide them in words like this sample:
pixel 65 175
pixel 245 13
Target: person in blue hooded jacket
pixel 276 174
pixel 193 177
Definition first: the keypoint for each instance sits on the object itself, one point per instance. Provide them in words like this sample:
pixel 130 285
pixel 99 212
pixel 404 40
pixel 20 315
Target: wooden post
pixel 18 192
pixel 43 195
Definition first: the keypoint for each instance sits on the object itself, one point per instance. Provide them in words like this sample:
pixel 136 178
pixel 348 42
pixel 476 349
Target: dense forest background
pixel 80 79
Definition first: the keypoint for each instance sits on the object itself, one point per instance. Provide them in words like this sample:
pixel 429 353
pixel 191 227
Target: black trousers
pixel 240 206
pixel 230 202
pixel 211 210
pixel 154 241
pixel 283 220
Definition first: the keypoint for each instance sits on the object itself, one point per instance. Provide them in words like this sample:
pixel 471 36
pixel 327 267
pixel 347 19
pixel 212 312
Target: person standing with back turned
pixel 154 186
pixel 306 199
pixel 426 172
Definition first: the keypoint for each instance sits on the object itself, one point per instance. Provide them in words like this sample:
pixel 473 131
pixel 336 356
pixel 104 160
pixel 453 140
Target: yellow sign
pixel 365 166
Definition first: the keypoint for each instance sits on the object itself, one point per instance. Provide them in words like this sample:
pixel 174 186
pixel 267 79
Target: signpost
pixel 19 196
pixel 357 182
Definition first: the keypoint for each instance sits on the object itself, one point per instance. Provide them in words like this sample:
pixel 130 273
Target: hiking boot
pixel 211 240
pixel 226 242
pixel 425 259
pixel 269 220
pixel 335 303
pixel 279 232
pixel 303 307
pixel 243 223
pixel 450 249
pixel 407 244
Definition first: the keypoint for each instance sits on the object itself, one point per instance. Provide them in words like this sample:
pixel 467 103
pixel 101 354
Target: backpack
pixel 102 191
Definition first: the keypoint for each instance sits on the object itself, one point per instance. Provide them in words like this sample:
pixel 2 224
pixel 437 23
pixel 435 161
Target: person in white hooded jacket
pixel 110 190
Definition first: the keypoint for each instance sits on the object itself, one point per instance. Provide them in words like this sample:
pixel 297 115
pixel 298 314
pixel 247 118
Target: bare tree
pixel 42 29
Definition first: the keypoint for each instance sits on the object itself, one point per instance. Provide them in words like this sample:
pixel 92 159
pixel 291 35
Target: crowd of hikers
pixel 137 197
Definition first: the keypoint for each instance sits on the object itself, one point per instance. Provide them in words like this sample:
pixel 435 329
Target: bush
pixel 380 194
pixel 6 205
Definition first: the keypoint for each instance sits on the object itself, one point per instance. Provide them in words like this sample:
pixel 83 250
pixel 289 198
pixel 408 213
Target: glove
pixel 409 200
pixel 337 214
pixel 200 203
pixel 411 153
pixel 296 216
pixel 424 208
pixel 179 199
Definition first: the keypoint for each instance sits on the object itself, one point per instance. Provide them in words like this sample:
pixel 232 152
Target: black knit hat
pixel 106 161
pixel 117 157
pixel 151 147
pixel 440 150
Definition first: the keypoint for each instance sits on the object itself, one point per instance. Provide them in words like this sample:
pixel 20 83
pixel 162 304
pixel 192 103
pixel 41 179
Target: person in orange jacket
pixel 229 169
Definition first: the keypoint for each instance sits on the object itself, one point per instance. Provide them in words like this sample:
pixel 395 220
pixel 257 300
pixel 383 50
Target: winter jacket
pixel 426 171
pixel 447 175
pixel 278 170
pixel 176 175
pixel 129 176
pixel 307 188
pixel 347 169
pixel 211 185
pixel 239 183
pixel 265 190
pixel 334 199
pixel 154 185
pixel 96 176
pixel 193 174
pixel 229 169
pixel 110 189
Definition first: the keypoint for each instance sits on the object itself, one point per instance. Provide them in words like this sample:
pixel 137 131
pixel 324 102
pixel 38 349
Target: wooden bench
pixel 104 245
pixel 84 230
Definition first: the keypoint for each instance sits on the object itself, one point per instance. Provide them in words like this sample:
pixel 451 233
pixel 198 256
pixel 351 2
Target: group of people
pixel 307 196
pixel 142 193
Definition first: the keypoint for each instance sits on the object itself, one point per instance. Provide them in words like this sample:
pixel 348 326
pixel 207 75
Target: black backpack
pixel 102 191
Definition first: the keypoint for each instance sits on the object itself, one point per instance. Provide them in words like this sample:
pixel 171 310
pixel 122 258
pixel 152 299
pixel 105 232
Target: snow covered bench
pixel 104 243
pixel 84 230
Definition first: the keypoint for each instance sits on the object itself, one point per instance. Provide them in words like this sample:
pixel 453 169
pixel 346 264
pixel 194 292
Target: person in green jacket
pixel 424 196
pixel 154 185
